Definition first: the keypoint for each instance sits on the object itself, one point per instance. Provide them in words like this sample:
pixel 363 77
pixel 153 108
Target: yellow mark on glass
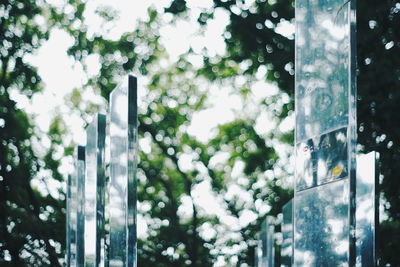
pixel 337 170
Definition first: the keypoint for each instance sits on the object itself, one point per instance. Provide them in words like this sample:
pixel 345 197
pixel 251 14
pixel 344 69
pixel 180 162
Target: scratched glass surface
pixel 94 193
pixel 122 194
pixel 287 235
pixel 322 66
pixel 321 230
pixel 80 200
pixel 322 159
pixel 366 210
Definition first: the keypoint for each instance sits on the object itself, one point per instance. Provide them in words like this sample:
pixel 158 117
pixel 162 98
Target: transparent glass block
pixel 287 235
pixel 258 253
pixel 322 66
pixel 70 236
pixel 325 97
pixel 122 188
pixel 80 171
pixel 267 243
pixel 321 227
pixel 367 205
pixel 94 193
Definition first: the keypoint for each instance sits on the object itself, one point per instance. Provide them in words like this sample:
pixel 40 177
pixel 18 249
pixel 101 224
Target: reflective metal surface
pixel 80 201
pixel 267 243
pixel 94 193
pixel 367 209
pixel 122 190
pixel 325 94
pixel 287 235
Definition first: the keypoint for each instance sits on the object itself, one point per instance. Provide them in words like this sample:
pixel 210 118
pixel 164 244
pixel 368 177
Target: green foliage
pixel 32 220
pixel 167 186
pixel 241 166
pixel 252 37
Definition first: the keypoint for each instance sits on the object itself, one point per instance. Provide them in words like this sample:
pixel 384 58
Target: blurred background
pixel 216 113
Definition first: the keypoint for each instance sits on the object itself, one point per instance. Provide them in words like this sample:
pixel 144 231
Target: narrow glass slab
pixel 287 235
pixel 366 210
pixel 322 159
pixel 122 188
pixel 267 243
pixel 322 66
pixel 69 236
pixel 325 97
pixel 80 171
pixel 321 229
pixel 72 213
pixel 258 253
pixel 94 193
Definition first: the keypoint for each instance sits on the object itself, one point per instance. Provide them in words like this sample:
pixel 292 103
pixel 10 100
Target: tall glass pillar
pixel 367 209
pixel 122 188
pixel 70 224
pixel 267 243
pixel 94 193
pixel 80 171
pixel 287 235
pixel 325 139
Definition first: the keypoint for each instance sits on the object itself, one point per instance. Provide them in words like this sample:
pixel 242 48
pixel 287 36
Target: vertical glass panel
pixel 94 193
pixel 122 193
pixel 366 210
pixel 271 244
pixel 287 235
pixel 322 159
pixel 321 230
pixel 322 66
pixel 267 243
pixel 80 201
pixel 263 238
pixel 68 223
pixel 258 253
pixel 72 206
pixel 324 205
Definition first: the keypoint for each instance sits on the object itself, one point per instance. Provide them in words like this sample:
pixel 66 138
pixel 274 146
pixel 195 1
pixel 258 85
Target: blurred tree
pixel 31 219
pixel 174 165
pixel 253 35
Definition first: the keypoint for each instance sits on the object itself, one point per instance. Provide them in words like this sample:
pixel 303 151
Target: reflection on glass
pixel 70 235
pixel 122 190
pixel 366 210
pixel 258 253
pixel 324 209
pixel 94 193
pixel 287 235
pixel 322 159
pixel 322 66
pixel 80 201
pixel 267 243
pixel 321 229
